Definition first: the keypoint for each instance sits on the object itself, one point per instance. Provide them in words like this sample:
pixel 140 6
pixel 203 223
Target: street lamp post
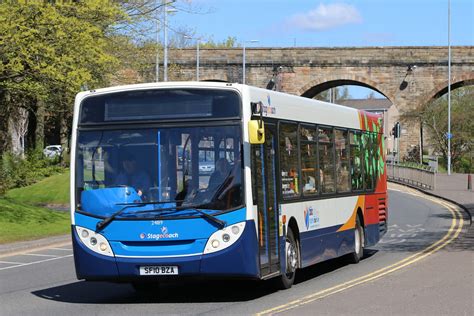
pixel 449 88
pixel 243 59
pixel 198 43
pixel 165 57
pixel 157 67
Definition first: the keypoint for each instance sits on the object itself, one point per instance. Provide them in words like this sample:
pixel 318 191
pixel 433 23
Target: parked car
pixel 52 151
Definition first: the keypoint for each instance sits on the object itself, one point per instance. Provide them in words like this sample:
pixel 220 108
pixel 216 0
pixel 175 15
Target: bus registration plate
pixel 158 270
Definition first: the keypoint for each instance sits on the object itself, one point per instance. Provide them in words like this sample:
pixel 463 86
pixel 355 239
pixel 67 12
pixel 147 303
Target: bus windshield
pixel 177 166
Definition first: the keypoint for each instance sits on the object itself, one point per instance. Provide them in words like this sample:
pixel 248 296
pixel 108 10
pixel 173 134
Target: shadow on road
pixel 188 291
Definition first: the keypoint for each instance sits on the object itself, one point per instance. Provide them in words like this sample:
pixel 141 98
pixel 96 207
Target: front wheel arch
pixel 296 234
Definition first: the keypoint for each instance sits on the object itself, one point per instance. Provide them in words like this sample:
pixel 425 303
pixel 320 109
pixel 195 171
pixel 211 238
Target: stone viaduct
pixel 409 77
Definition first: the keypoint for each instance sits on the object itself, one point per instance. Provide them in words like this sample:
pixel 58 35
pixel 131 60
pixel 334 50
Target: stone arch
pixel 317 86
pixel 442 88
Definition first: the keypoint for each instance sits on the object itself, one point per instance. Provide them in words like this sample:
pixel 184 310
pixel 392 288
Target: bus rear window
pixel 160 104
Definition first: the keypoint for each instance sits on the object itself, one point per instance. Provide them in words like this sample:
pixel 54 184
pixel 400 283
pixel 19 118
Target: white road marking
pixel 11 262
pixel 63 249
pixel 35 262
pixel 39 255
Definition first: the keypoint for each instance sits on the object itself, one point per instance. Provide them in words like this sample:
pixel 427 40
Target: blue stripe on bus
pixel 372 234
pixel 321 244
pixel 324 244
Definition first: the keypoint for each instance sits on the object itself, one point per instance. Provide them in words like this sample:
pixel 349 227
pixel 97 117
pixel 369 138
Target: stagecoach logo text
pixel 164 235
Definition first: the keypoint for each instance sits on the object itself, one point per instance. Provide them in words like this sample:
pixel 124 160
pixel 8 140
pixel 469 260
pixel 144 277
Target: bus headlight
pixel 228 235
pixel 93 241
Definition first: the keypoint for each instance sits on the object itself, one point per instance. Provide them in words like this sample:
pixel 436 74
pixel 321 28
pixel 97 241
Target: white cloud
pixel 325 16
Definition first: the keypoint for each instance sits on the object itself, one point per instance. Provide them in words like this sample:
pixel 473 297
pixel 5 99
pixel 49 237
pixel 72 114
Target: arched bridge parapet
pixel 316 86
pixel 442 88
pixel 389 70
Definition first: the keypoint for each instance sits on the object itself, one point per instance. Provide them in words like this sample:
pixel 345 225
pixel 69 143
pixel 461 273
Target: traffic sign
pixel 449 135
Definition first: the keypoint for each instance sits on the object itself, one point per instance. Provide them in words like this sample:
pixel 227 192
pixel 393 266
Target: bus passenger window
pixel 342 161
pixel 356 161
pixel 289 161
pixel 326 159
pixel 368 163
pixel 309 176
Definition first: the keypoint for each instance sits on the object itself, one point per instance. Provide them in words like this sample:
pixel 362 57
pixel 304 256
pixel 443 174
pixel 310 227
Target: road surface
pixel 422 266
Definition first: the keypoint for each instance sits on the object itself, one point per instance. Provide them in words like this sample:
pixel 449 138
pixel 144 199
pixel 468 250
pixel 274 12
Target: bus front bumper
pixel 239 260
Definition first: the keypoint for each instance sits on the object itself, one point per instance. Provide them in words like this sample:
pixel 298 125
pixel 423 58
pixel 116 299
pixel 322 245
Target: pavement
pixel 452 188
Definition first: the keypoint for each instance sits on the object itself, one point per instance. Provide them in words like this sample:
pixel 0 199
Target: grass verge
pixel 19 222
pixel 51 190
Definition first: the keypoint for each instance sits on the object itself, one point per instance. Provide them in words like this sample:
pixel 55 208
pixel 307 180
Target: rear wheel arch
pixel 360 215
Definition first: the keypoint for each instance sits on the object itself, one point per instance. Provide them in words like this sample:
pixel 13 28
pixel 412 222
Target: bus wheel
pixel 358 243
pixel 292 257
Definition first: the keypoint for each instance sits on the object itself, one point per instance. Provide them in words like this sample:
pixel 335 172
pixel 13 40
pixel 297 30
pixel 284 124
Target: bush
pixel 16 172
pixel 465 165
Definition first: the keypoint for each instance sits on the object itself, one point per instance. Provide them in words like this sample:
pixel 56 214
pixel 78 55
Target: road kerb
pixel 41 245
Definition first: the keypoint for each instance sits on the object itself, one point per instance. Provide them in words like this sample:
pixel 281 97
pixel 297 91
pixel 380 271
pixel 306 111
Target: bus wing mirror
pixel 256 132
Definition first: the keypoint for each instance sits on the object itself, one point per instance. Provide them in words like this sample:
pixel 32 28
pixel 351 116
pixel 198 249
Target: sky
pixel 305 23
pixel 282 23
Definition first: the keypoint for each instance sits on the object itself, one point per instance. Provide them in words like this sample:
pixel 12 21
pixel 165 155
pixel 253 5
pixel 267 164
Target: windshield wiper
pixel 212 218
pixel 102 224
pixel 106 221
pixel 196 208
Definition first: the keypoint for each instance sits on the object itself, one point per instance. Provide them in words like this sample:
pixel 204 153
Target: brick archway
pixel 442 88
pixel 319 85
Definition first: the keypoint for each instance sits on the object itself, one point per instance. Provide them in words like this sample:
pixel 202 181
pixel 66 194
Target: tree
pixel 229 42
pixel 50 50
pixel 338 93
pixel 434 118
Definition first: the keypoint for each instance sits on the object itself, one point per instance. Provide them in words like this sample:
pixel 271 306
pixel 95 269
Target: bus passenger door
pixel 264 187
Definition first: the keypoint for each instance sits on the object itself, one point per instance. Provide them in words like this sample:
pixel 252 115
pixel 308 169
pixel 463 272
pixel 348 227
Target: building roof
pixel 366 104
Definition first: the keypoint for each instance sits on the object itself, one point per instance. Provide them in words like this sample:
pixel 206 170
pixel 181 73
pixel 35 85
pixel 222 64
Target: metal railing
pixel 423 178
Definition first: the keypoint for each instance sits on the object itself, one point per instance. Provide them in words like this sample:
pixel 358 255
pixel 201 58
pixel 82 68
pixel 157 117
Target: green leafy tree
pixel 50 50
pixel 434 118
pixel 339 93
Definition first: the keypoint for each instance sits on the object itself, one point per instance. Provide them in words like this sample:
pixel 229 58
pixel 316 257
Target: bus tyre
pixel 359 239
pixel 292 258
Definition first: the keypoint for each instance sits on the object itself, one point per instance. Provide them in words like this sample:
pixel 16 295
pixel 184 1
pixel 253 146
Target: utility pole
pixel 448 135
pixel 165 57
pixel 157 67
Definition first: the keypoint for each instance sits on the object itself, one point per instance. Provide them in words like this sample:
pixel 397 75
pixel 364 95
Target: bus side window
pixel 368 165
pixel 289 160
pixel 308 149
pixel 326 159
pixel 342 161
pixel 356 161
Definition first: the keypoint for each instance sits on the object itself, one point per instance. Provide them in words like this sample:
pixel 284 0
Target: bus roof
pixel 276 104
